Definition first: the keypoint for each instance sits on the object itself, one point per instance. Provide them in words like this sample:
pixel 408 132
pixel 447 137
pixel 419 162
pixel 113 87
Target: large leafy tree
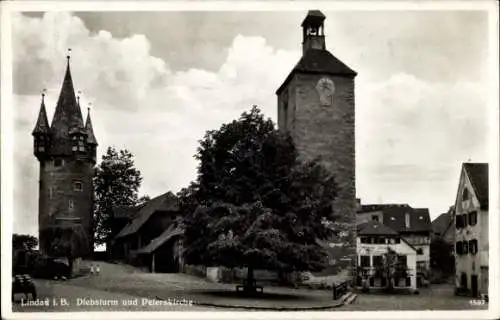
pixel 254 204
pixel 69 241
pixel 116 182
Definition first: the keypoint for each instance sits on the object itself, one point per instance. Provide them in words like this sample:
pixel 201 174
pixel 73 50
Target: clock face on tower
pixel 326 90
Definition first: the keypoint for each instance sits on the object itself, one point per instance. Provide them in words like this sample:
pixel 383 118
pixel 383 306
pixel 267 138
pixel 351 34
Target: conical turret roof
pixel 42 124
pixel 67 117
pixel 90 130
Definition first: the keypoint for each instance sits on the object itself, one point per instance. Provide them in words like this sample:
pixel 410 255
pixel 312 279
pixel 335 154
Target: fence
pixel 340 290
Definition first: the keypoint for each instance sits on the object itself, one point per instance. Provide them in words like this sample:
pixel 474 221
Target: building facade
pixel 471 230
pixel 411 224
pixel 316 107
pixel 151 235
pixel 66 152
pixel 375 244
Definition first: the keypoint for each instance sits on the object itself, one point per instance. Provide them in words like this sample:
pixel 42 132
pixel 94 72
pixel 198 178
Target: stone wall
pixel 56 189
pixel 326 132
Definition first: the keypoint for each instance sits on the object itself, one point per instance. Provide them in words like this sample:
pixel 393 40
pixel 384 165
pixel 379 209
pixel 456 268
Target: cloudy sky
pixel 157 81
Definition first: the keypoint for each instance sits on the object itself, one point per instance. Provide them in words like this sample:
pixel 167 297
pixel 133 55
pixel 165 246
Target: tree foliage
pixel 253 203
pixel 441 256
pixel 24 242
pixel 116 182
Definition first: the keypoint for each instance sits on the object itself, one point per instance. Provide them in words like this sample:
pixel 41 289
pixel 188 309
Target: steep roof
pixel 441 223
pixel 67 117
pixel 313 17
pixel 478 176
pixel 42 124
pixel 375 228
pixel 165 202
pixel 317 61
pixel 125 212
pixel 420 221
pixel 379 207
pixel 170 232
pixel 90 130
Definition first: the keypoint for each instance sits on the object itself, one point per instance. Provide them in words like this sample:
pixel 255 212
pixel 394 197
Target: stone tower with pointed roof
pixel 66 151
pixel 316 106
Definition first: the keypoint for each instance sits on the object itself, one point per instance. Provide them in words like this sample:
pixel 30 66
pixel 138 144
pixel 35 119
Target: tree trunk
pixel 70 266
pixel 250 286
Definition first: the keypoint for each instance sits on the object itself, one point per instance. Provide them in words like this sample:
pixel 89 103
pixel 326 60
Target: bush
pixel 197 271
pixel 48 268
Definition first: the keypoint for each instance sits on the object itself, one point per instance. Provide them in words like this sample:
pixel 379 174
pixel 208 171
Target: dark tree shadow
pixel 232 294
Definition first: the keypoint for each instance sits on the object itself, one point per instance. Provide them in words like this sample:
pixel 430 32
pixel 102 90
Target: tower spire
pixel 67 116
pixel 89 129
pixel 42 124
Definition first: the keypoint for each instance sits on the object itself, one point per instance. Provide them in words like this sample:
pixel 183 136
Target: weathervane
pixel 78 97
pixel 90 105
pixel 69 54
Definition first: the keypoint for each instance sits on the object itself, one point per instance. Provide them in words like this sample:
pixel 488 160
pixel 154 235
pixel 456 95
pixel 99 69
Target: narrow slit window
pixel 77 186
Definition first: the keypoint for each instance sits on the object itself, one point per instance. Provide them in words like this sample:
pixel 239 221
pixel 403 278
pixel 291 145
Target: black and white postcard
pixel 282 159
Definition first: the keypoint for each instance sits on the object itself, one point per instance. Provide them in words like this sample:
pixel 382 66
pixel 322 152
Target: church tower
pixel 316 107
pixel 66 151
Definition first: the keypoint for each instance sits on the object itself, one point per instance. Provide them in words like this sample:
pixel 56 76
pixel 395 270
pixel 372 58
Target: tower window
pixel 285 115
pixel 81 146
pixel 51 192
pixel 407 220
pixel 58 162
pixel 375 218
pixel 465 195
pixel 473 218
pixel 77 186
pixel 71 205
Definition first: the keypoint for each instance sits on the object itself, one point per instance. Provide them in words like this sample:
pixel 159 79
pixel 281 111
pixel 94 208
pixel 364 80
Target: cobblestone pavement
pixel 435 297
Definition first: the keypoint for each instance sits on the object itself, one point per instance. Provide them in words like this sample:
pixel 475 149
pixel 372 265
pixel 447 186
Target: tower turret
pixel 91 140
pixel 41 136
pixel 67 160
pixel 313 36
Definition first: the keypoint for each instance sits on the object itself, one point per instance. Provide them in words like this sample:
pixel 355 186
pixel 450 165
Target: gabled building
pixel 411 224
pixel 471 230
pixel 151 235
pixel 375 241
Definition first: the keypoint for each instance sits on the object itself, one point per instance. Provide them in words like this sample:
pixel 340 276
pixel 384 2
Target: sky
pixel 157 81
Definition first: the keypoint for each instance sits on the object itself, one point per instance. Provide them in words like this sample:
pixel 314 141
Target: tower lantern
pixel 313 31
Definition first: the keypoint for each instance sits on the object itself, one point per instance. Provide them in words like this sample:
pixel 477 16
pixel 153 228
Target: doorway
pixel 473 284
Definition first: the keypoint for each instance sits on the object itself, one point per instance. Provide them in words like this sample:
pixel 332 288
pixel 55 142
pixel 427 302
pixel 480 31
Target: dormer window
pixel 71 205
pixel 407 220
